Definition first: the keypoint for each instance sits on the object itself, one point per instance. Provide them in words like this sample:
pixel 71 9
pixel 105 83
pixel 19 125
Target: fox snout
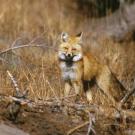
pixel 69 55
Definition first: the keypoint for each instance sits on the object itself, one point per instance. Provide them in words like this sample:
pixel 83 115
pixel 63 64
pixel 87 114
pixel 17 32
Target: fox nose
pixel 68 55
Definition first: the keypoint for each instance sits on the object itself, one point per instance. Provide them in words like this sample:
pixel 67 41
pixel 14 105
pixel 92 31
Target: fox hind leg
pixel 105 83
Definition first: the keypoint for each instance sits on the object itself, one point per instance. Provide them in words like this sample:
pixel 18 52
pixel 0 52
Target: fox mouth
pixel 70 58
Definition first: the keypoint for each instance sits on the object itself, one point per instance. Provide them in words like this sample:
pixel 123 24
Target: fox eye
pixel 73 49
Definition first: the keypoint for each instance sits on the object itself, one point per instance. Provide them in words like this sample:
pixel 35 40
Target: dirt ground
pixel 52 120
pixel 42 121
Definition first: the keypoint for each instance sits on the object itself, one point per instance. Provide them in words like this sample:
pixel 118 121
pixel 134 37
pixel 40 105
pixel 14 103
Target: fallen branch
pixel 19 99
pixel 91 123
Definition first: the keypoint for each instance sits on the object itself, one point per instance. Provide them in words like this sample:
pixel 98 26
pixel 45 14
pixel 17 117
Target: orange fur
pixel 79 67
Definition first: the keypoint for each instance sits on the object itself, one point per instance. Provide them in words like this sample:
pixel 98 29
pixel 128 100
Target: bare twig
pixel 126 97
pixel 23 46
pixel 91 130
pixel 32 41
pixel 20 100
pixel 14 82
pixel 77 127
pixel 30 44
pixel 13 44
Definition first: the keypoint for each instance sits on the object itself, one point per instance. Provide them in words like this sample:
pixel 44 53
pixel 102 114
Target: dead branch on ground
pixel 77 127
pixel 91 123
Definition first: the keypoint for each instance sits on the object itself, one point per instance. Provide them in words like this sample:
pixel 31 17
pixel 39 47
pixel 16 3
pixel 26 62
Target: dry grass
pixel 31 18
pixel 36 69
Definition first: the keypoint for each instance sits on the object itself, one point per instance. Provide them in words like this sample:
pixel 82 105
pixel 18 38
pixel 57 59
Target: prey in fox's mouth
pixel 70 57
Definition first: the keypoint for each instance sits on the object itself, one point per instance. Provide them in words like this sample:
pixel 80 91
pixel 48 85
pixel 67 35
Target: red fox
pixel 78 67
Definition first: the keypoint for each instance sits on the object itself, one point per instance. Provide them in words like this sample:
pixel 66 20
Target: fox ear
pixel 79 37
pixel 64 37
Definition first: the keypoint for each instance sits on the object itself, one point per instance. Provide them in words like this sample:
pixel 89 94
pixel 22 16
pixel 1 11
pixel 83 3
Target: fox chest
pixel 69 72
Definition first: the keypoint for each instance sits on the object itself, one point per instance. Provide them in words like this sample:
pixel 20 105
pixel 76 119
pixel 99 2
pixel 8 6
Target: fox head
pixel 70 48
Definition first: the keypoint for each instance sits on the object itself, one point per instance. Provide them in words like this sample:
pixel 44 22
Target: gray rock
pixel 7 130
